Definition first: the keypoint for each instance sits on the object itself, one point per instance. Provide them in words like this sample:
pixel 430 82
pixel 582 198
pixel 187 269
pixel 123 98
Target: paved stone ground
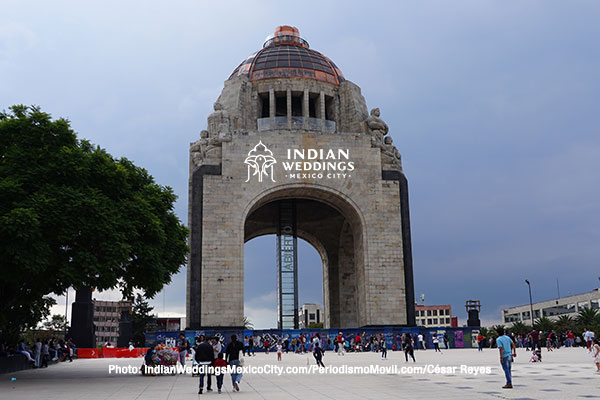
pixel 564 374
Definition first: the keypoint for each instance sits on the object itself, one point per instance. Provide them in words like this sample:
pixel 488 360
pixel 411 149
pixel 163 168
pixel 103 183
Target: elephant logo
pixel 260 162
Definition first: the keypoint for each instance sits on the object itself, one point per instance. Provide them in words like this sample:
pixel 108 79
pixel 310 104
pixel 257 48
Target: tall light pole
pixel 530 301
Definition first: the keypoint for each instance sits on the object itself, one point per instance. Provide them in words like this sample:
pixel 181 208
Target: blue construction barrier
pixel 465 337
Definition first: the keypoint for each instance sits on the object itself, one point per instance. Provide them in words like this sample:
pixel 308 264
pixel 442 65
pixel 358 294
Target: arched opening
pixel 333 227
pixel 260 279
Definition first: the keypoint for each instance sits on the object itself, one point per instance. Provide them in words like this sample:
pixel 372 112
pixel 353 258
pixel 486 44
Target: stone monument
pixel 290 149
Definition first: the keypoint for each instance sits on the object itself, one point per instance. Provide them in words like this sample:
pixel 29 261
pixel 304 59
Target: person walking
pixel 205 357
pixel 279 348
pixel 246 346
pixel 507 351
pixel 383 347
pixel 421 341
pixel 182 346
pixel 481 341
pixel 233 359
pixel 220 363
pixel 318 354
pixel 587 338
pixel 340 344
pixel 535 339
pixel 251 344
pixel 446 341
pixel 317 340
pixel 407 345
pixel 266 344
pixel 436 344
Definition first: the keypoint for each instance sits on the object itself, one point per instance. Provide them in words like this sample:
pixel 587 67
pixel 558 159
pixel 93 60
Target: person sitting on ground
pixel 534 356
pixel 21 349
pixel 148 361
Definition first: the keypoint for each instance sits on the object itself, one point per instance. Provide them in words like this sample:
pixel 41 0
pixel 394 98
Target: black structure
pixel 82 319
pixel 473 307
pixel 406 243
pixel 195 263
pixel 125 330
pixel 287 266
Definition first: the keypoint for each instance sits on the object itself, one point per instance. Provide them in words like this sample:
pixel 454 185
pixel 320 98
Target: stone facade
pixel 358 221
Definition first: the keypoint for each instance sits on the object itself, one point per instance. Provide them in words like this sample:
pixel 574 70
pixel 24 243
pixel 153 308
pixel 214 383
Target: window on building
pixel 423 322
pixel 511 317
pixel 434 312
pixel 595 304
pixel 429 313
pixel 435 321
pixel 313 105
pixel 329 108
pixel 556 310
pixel 447 311
pixel 280 104
pixel 429 321
pixel 526 315
pixel 582 304
pixel 263 105
pixel 297 104
pixel 447 320
pixel 311 316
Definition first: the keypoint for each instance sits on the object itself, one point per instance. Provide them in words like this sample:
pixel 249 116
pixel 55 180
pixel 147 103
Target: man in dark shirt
pixel 233 359
pixel 205 358
pixel 535 339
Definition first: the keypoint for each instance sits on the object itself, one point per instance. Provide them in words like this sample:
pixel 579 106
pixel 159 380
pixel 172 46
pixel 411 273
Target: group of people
pixel 42 351
pixel 536 339
pixel 208 352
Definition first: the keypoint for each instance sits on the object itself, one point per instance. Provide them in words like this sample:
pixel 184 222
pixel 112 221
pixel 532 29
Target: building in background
pixel 166 322
pixel 433 315
pixel 310 314
pixel 569 305
pixel 106 320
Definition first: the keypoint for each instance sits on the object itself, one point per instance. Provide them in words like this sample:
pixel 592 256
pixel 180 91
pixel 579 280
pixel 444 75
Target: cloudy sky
pixel 494 106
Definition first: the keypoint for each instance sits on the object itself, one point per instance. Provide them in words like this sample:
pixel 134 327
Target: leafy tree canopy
pixel 71 215
pixel 57 323
pixel 141 319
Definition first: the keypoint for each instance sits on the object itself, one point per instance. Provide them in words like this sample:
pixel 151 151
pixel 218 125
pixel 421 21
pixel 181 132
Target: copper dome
pixel 286 55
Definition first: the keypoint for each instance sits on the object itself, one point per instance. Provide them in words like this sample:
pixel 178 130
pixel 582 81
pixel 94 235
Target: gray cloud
pixel 493 106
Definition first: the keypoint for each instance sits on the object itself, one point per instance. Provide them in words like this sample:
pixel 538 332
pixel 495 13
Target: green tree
pixel 519 328
pixel 543 324
pixel 71 215
pixel 247 323
pixel 588 317
pixel 563 323
pixel 57 323
pixel 485 332
pixel 141 319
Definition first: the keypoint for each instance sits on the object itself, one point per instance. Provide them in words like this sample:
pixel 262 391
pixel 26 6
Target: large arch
pixel 333 225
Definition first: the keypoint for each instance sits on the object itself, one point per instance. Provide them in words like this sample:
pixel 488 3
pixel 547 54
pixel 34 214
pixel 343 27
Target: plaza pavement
pixel 564 374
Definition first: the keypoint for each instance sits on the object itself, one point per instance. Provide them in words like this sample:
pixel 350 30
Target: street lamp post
pixel 530 301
